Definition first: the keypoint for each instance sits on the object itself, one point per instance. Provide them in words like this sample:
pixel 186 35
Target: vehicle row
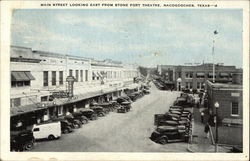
pixel 24 139
pixel 172 126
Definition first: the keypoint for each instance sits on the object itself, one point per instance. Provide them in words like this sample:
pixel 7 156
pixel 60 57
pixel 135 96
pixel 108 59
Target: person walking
pixel 202 117
pixel 206 130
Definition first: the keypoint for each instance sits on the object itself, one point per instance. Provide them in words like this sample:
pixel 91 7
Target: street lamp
pixel 216 105
pixel 215 32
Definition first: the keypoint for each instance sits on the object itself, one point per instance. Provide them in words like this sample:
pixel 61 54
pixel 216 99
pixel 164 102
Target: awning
pixel 224 74
pixel 21 76
pixel 200 74
pixel 25 109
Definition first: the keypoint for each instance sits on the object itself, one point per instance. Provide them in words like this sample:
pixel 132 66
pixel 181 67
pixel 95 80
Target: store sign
pixel 60 94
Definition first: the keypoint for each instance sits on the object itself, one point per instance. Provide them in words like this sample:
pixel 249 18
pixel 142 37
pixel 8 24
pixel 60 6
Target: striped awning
pixel 21 76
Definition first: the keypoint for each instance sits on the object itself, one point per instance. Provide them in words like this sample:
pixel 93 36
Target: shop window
pixel 60 77
pixel 44 98
pixel 13 83
pixel 60 110
pixel 53 78
pixel 45 78
pixel 235 109
pixel 15 102
pixel 26 83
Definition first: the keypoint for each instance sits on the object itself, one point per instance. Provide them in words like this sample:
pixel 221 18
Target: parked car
pixel 184 123
pixel 79 116
pixel 106 106
pixel 125 107
pixel 115 104
pixel 66 127
pixel 89 113
pixel 21 140
pixel 166 134
pixel 146 91
pixel 75 123
pixel 98 110
pixel 49 131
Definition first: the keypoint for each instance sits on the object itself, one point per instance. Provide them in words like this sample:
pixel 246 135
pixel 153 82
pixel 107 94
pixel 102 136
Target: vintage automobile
pixel 21 140
pixel 146 91
pixel 166 134
pixel 75 123
pixel 175 112
pixel 115 104
pixel 106 106
pixel 89 113
pixel 79 116
pixel 123 99
pixel 125 107
pixel 98 110
pixel 174 123
pixel 132 96
pixel 66 127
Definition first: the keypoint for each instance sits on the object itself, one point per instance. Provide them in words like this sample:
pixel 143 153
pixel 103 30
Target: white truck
pixel 49 131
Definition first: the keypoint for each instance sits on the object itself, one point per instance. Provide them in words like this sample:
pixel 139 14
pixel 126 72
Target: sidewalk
pixel 199 141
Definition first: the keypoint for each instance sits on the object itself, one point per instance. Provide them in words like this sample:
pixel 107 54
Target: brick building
pixel 195 77
pixel 230 112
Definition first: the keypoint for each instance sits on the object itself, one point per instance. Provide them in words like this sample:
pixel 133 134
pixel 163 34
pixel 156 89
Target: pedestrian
pixel 206 130
pixel 202 117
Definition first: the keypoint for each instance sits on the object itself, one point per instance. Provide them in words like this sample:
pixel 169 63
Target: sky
pixel 146 37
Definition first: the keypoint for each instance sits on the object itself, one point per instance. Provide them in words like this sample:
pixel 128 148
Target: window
pixel 77 75
pixel 200 75
pixel 45 78
pixel 189 74
pixel 26 83
pixel 60 77
pixel 86 75
pixel 70 72
pixel 44 98
pixel 60 110
pixel 15 102
pixel 81 75
pixel 235 109
pixel 53 78
pixel 36 129
pixel 189 85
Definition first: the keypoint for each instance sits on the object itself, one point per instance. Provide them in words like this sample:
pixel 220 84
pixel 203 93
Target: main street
pixel 120 132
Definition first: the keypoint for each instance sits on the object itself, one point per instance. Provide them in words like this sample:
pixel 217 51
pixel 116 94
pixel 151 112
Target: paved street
pixel 119 132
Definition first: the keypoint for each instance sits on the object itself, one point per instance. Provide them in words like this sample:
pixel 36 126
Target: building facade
pixel 229 97
pixel 40 83
pixel 195 77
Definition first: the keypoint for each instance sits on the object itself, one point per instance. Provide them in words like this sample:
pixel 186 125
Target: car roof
pixel 165 128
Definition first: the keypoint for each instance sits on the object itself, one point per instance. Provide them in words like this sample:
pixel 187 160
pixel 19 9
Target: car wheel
pixel 66 131
pixel 28 146
pixel 84 121
pixel 93 117
pixel 163 141
pixel 51 137
pixel 75 125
